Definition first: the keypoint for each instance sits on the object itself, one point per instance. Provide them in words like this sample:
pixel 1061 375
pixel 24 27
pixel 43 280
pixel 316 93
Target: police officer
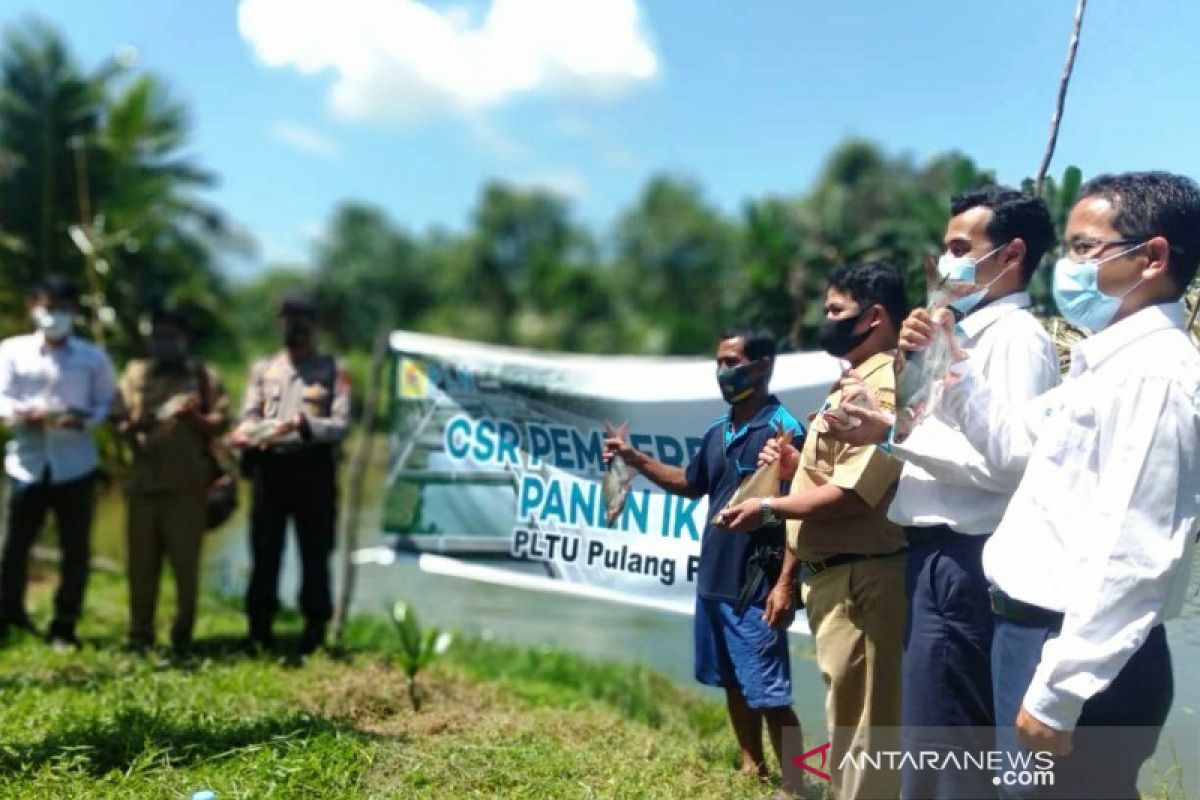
pixel 295 413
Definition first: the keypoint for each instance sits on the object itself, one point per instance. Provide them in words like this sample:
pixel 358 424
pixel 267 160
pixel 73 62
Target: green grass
pixel 496 721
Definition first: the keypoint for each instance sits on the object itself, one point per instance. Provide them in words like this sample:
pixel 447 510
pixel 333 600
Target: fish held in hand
pixel 617 479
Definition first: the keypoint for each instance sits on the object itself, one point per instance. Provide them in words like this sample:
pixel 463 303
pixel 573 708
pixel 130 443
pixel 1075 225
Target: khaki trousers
pixel 857 615
pixel 159 524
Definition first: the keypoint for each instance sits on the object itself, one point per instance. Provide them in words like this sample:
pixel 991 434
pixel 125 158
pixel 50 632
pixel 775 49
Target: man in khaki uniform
pixel 296 411
pixel 838 532
pixel 169 407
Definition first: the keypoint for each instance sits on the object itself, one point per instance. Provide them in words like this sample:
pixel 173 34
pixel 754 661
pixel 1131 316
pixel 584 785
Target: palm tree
pixel 92 184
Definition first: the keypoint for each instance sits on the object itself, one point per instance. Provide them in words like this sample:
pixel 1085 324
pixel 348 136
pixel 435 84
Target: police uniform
pixel 294 478
pixel 165 490
pixel 853 589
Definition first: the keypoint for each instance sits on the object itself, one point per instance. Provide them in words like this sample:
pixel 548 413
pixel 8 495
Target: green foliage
pixel 418 646
pixel 94 184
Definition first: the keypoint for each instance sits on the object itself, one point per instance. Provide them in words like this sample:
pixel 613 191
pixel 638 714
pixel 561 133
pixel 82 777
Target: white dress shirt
pixel 76 377
pixel 945 480
pixel 1102 525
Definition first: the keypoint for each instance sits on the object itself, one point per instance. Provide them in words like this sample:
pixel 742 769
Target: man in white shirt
pixel 1095 548
pixel 54 390
pixel 949 500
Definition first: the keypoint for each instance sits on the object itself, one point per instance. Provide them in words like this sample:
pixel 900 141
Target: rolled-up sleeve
pixel 1142 522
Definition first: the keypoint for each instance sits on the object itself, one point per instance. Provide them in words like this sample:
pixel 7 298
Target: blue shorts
pixel 743 652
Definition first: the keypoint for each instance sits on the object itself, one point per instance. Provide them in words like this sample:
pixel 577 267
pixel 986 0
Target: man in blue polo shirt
pixel 741 622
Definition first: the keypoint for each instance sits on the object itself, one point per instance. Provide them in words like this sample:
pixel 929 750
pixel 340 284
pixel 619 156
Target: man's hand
pixel 1036 736
pixel 917 331
pixel 780 610
pixel 787 456
pixel 614 443
pixel 746 516
pixel 859 420
pixel 71 421
pixel 283 427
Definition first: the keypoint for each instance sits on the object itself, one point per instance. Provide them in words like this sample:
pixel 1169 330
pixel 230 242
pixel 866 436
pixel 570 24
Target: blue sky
pixel 409 105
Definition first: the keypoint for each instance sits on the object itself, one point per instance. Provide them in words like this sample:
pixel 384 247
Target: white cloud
pixel 305 139
pixel 404 60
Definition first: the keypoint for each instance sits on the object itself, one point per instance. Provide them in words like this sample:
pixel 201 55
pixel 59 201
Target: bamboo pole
pixel 354 494
pixel 1061 100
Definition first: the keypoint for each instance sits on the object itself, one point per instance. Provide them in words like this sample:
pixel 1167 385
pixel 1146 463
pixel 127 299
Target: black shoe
pixel 312 639
pixel 139 645
pixel 61 637
pixel 259 640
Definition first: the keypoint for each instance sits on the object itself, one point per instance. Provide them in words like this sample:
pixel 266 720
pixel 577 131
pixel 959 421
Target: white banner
pixel 495 464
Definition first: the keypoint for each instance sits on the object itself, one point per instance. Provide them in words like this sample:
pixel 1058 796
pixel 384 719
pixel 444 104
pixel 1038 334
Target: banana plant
pixel 418 646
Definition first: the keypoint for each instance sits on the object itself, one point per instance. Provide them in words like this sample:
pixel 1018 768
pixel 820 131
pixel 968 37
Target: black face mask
pixel 166 351
pixel 297 334
pixel 737 384
pixel 837 336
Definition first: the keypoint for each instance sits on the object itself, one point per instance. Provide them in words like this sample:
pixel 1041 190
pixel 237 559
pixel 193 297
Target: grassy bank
pixel 497 721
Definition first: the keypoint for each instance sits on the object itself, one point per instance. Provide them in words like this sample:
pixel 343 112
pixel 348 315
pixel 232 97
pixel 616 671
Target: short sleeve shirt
pixel 726 458
pixel 867 471
pixel 168 455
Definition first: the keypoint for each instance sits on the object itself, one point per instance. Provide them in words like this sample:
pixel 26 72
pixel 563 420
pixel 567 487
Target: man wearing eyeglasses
pixel 1094 550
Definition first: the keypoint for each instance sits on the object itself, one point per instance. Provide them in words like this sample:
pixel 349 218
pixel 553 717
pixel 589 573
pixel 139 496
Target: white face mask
pixel 55 325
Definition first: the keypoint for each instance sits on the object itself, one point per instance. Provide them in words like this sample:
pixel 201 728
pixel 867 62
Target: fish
pixel 765 480
pixel 617 479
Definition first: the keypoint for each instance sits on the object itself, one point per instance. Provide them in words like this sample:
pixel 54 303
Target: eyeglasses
pixel 1082 248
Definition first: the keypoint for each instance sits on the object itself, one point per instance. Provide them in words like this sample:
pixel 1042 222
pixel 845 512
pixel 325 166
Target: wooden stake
pixel 1056 120
pixel 354 493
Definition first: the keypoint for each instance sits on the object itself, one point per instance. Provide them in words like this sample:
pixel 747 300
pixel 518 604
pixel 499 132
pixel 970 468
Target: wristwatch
pixel 768 513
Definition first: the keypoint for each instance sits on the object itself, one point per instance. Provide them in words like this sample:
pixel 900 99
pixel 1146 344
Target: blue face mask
pixel 1077 291
pixel 962 270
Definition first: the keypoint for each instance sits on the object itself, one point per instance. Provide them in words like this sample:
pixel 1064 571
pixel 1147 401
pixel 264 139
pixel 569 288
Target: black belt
pixel 817 567
pixel 1019 611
